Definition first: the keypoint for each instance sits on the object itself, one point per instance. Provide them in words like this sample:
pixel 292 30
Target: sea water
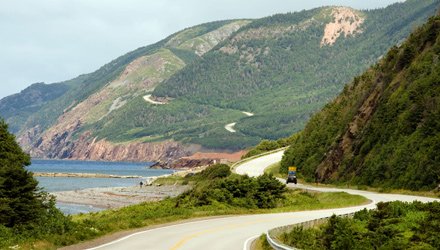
pixel 56 184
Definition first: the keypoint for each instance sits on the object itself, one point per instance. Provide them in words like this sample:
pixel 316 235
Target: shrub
pixel 393 225
pixel 241 191
pixel 215 171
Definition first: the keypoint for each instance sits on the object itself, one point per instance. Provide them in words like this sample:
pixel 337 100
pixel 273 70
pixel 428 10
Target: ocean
pixel 55 184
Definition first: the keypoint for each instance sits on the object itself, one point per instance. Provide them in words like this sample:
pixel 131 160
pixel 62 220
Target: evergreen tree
pixel 20 198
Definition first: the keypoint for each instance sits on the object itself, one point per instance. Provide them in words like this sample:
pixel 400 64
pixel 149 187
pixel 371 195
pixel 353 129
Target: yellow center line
pixel 187 238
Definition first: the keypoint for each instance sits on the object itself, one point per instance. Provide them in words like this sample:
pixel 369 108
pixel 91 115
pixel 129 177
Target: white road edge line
pixel 249 240
pixel 148 230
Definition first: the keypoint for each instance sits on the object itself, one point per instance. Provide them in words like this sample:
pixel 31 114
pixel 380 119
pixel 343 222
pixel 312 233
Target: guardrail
pixel 273 234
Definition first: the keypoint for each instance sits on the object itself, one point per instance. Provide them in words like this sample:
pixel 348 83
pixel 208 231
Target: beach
pixel 115 197
pixel 104 188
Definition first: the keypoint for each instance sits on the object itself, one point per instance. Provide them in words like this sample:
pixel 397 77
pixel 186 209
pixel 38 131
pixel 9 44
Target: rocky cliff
pixel 62 146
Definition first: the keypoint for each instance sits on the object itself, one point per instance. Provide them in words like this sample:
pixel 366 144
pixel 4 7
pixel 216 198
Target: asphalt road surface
pixel 236 232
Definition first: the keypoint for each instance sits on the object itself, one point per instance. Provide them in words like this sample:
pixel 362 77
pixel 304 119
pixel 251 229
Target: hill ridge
pixel 277 69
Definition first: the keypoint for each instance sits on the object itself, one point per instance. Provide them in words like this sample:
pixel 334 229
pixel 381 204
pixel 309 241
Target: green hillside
pixel 276 68
pixel 80 88
pixel 20 106
pixel 384 129
pixel 227 84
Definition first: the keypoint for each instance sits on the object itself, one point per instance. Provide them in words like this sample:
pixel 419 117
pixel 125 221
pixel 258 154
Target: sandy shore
pixel 119 196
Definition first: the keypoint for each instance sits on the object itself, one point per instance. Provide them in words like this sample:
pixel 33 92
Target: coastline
pixel 116 197
pixel 85 175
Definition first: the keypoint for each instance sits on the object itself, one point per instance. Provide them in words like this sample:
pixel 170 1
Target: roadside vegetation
pixel 216 191
pixel 25 210
pixel 393 225
pixel 261 243
pixel 274 170
pixel 269 145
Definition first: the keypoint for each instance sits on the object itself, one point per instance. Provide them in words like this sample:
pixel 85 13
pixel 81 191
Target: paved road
pixel 230 127
pixel 147 98
pixel 256 166
pixel 234 232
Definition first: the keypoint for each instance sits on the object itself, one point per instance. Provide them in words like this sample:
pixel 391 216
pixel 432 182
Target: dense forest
pixel 384 129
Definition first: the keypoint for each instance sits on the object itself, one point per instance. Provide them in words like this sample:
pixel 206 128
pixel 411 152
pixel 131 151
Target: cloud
pixel 55 40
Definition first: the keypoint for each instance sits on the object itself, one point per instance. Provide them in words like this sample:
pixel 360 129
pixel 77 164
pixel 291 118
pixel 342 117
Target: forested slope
pixel 384 129
pixel 280 69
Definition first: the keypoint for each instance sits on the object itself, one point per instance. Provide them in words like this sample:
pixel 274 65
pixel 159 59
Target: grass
pixel 431 194
pixel 261 243
pixel 94 225
pixel 301 200
pixel 171 180
pixel 274 169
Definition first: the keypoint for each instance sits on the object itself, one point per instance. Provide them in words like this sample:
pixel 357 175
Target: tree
pixel 20 199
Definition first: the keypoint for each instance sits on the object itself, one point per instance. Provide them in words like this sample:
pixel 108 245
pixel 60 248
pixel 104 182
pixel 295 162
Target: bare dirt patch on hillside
pixel 345 21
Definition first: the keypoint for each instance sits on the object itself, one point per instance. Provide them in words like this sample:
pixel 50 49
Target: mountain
pixel 383 130
pixel 53 130
pixel 263 78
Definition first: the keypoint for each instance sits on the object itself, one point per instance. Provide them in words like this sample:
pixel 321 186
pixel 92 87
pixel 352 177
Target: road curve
pixel 230 127
pixel 147 98
pixel 236 231
pixel 255 167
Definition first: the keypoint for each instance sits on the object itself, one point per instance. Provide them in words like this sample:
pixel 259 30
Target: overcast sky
pixel 55 40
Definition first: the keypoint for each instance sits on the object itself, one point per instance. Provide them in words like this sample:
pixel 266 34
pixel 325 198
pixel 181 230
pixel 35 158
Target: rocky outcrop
pixel 328 168
pixel 345 21
pixel 63 146
pixel 204 43
pixel 27 139
pixel 185 163
pixel 104 150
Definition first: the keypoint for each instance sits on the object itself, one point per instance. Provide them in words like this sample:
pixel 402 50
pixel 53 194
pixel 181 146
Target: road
pixel 230 127
pixel 235 232
pixel 147 98
pixel 256 166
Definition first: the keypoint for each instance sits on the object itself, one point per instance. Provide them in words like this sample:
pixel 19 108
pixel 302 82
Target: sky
pixel 55 40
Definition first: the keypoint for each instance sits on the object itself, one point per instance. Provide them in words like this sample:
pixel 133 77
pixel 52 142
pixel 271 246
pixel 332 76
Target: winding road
pixel 147 98
pixel 236 232
pixel 230 127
